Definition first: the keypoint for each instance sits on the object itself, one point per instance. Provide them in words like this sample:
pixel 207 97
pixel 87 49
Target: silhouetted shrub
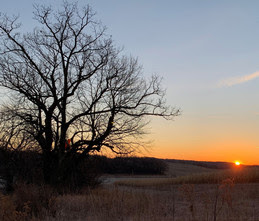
pixel 77 174
pixel 21 165
pixel 38 198
pixel 27 167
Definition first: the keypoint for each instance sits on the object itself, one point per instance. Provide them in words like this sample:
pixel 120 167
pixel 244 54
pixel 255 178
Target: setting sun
pixel 237 163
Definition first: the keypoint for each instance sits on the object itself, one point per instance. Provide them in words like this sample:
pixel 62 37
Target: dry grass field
pixel 238 175
pixel 232 196
pixel 179 202
pixel 181 169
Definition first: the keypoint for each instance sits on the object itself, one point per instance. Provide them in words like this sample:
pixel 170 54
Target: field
pixel 187 202
pixel 189 193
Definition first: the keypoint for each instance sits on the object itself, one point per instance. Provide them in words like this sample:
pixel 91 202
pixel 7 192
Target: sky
pixel 207 53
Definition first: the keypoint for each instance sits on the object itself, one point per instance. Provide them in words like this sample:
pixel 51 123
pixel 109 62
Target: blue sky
pixel 207 53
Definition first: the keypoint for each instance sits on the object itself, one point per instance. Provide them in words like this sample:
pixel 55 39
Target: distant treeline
pixel 130 165
pixel 212 165
pixel 27 165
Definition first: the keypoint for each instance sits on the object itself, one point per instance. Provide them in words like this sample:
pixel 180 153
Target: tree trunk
pixel 58 168
pixel 50 162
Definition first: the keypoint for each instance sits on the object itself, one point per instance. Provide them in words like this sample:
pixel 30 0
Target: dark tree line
pixel 71 91
pixel 26 167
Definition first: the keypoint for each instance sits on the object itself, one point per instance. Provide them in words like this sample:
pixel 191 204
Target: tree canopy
pixel 72 90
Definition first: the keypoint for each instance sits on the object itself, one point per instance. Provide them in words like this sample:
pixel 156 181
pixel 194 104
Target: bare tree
pixel 73 91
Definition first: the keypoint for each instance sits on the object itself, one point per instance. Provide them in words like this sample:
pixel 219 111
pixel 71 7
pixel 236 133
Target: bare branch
pixel 68 80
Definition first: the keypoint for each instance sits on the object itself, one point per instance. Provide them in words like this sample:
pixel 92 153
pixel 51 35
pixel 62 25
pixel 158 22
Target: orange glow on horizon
pixel 204 140
pixel 224 152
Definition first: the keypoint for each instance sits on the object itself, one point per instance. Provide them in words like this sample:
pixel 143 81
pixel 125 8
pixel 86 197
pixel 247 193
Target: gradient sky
pixel 208 55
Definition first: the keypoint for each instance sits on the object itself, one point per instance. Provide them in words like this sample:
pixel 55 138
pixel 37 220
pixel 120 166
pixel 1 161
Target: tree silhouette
pixel 67 80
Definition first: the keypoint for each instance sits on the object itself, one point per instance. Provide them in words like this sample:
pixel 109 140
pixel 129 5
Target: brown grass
pixel 239 175
pixel 8 211
pixel 26 202
pixel 179 202
pixel 226 200
pixel 182 169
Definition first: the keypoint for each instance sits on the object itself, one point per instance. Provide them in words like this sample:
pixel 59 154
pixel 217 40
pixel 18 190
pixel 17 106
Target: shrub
pixel 27 167
pixel 37 198
pixel 8 210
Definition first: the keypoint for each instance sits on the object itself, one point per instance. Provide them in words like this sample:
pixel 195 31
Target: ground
pixel 140 198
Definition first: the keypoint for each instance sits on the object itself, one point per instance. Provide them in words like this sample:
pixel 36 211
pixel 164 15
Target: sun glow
pixel 237 163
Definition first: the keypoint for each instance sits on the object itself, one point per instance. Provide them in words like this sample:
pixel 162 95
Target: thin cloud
pixel 238 80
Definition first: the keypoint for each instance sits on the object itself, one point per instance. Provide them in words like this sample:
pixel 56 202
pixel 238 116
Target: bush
pixel 8 210
pixel 77 175
pixel 21 165
pixel 28 201
pixel 38 198
pixel 27 167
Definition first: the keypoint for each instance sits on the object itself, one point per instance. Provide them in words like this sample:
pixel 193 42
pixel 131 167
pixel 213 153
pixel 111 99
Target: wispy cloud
pixel 238 80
